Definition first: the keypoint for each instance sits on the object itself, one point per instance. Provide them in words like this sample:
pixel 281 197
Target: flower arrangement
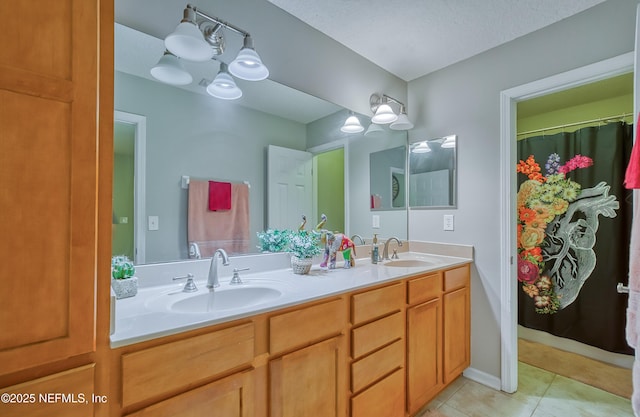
pixel 273 240
pixel 122 267
pixel 303 244
pixel 540 200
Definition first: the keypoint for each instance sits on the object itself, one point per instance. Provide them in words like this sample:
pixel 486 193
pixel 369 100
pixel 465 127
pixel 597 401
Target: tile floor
pixel 540 394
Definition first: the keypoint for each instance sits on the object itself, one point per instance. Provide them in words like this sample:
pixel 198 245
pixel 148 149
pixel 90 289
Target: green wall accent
pixel 330 168
pixel 602 99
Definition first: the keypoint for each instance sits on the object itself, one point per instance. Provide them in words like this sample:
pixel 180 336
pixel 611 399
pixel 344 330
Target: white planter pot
pixel 125 288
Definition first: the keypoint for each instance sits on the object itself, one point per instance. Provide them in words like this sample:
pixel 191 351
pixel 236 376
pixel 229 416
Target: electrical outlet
pixel 448 222
pixel 154 223
pixel 376 221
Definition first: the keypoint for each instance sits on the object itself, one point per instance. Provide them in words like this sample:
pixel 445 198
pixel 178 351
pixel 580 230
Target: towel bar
pixel 622 289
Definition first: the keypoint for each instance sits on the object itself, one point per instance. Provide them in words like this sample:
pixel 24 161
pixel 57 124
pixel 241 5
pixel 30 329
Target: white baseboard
pixel 483 378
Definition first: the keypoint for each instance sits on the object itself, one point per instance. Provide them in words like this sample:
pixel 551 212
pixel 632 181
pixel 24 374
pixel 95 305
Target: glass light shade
pixel 449 142
pixel 223 86
pixel 384 114
pixel 403 123
pixel 374 130
pixel 352 125
pixel 248 65
pixel 422 147
pixel 170 70
pixel 188 43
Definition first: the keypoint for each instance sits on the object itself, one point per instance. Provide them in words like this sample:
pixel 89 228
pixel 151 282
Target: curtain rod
pixel 602 119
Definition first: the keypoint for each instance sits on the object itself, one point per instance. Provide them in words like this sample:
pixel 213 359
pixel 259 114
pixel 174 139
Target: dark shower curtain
pixel 597 316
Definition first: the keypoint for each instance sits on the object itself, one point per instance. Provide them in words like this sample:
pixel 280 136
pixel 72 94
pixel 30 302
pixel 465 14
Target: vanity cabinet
pixel 383 351
pixel 456 322
pixel 191 376
pixel 377 352
pixel 308 367
pixel 438 333
pixel 424 340
pixel 228 397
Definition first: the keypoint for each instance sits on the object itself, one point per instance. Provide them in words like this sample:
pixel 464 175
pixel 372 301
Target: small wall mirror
pixel 432 173
pixel 387 173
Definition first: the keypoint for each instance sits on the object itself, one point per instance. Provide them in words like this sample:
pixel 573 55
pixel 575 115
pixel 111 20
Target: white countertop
pixel 148 315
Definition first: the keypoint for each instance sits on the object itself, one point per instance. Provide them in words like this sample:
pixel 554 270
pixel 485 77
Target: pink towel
pixel 632 176
pixel 219 196
pixel 226 229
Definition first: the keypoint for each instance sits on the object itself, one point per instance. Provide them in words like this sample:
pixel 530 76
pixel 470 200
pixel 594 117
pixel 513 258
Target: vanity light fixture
pixel 384 114
pixel 352 125
pixel 199 38
pixel 170 70
pixel 374 130
pixel 449 142
pixel 223 86
pixel 421 147
pixel 403 122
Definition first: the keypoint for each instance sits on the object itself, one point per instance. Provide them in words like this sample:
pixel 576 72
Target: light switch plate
pixel 448 222
pixel 154 223
pixel 376 221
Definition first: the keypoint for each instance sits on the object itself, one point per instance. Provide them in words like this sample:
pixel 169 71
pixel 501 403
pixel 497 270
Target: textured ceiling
pixel 411 38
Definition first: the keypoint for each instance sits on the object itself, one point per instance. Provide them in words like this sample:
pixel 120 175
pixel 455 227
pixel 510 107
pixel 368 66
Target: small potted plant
pixel 123 281
pixel 273 240
pixel 303 246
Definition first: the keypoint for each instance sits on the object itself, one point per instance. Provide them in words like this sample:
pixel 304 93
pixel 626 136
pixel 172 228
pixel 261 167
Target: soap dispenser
pixel 375 250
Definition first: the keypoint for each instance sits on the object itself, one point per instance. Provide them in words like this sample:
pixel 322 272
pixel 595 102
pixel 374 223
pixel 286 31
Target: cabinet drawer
pixel 456 278
pixel 424 288
pixel 371 336
pixel 169 367
pixel 37 396
pixel 303 326
pixel 377 303
pixel 373 367
pixel 384 399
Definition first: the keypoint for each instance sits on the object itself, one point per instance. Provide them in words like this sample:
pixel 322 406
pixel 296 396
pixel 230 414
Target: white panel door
pixel 289 187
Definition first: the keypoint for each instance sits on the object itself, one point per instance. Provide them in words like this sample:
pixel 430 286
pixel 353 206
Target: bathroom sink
pixel 409 263
pixel 229 298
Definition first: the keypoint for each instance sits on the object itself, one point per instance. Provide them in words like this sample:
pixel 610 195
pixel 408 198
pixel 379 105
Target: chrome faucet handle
pixel 395 254
pixel 189 286
pixel 236 277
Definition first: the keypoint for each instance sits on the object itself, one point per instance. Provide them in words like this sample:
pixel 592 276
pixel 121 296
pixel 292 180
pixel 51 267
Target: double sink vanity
pixel 374 340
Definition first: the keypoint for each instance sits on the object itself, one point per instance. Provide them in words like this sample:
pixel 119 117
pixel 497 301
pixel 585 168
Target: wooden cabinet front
pixel 48 165
pixel 230 397
pixel 162 369
pixel 456 333
pixel 69 393
pixel 424 353
pixel 310 381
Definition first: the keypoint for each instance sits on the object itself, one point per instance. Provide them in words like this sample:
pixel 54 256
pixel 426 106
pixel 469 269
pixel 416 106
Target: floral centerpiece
pixel 273 240
pixel 123 279
pixel 540 200
pixel 303 246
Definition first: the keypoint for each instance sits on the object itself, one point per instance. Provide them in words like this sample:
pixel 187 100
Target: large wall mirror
pixel 387 176
pixel 190 134
pixel 432 173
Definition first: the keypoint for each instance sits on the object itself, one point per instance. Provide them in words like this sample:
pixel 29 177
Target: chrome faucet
pixel 353 238
pixel 212 281
pixel 385 251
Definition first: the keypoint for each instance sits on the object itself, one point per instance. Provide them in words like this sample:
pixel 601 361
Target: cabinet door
pixel 229 397
pixel 456 333
pixel 424 353
pixel 310 381
pixel 48 161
